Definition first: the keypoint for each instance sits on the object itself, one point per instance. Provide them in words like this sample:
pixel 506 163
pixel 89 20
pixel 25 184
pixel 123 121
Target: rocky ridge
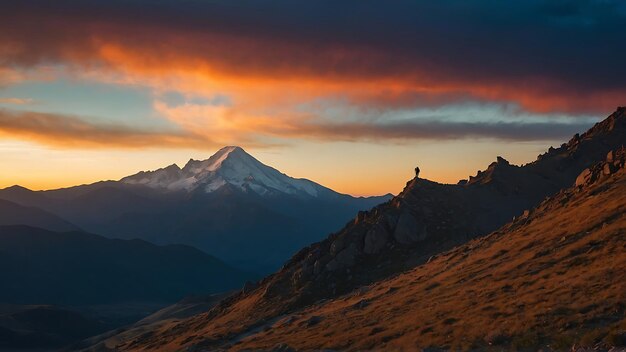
pixel 552 280
pixel 613 163
pixel 428 217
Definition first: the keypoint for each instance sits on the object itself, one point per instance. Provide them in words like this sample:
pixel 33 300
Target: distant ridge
pixel 230 205
pixel 77 268
pixel 15 214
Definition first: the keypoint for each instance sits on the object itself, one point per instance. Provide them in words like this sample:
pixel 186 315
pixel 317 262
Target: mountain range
pixel 15 214
pixel 62 286
pixel 523 257
pixel 76 268
pixel 44 327
pixel 230 205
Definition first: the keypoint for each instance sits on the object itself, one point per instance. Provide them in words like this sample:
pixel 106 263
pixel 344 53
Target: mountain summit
pixel 229 166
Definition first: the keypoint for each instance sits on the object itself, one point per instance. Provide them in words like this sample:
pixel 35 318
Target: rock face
pixel 425 219
pixel 614 162
pixel 503 291
pixel 408 230
pixel 344 259
pixel 583 178
pixel 375 239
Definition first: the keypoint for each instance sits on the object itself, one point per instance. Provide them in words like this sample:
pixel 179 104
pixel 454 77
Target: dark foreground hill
pixel 75 268
pixel 43 327
pixel 552 279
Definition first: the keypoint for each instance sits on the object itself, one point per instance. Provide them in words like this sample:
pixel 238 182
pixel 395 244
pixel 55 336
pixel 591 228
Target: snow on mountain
pixel 230 165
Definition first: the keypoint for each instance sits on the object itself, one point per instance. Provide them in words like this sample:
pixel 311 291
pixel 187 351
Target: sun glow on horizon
pixel 104 90
pixel 359 170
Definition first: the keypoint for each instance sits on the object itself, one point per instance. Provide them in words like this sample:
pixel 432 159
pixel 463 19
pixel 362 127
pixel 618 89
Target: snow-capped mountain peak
pixel 230 165
pixel 213 163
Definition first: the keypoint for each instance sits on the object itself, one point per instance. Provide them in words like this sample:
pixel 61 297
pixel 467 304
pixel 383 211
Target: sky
pixel 351 94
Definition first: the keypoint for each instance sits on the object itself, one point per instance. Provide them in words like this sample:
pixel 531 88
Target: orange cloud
pixel 266 68
pixel 270 74
pixel 262 87
pixel 70 131
pixel 15 101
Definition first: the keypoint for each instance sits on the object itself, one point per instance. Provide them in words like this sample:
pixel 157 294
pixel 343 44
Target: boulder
pixel 583 178
pixel 375 239
pixel 390 218
pixel 360 217
pixel 610 157
pixel 344 259
pixel 338 244
pixel 408 230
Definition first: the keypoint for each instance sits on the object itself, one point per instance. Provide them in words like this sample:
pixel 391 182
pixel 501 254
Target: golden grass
pixel 554 278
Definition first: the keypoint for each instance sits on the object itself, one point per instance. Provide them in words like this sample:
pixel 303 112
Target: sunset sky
pixel 350 94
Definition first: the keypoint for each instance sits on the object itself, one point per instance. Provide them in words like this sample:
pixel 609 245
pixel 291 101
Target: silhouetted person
pixel 417 171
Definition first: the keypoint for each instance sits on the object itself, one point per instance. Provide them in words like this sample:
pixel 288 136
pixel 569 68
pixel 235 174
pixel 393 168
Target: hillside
pixel 167 316
pixel 427 218
pixel 15 214
pixel 44 327
pixel 552 278
pixel 76 268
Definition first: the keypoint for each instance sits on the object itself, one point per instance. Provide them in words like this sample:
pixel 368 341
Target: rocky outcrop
pixel 344 259
pixel 408 229
pixel 427 218
pixel 501 292
pixel 583 178
pixel 614 162
pixel 376 238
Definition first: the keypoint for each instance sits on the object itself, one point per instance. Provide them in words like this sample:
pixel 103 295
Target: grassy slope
pixel 553 278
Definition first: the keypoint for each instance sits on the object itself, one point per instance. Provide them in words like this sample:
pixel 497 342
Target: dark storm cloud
pixel 545 55
pixel 72 131
pixel 441 130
